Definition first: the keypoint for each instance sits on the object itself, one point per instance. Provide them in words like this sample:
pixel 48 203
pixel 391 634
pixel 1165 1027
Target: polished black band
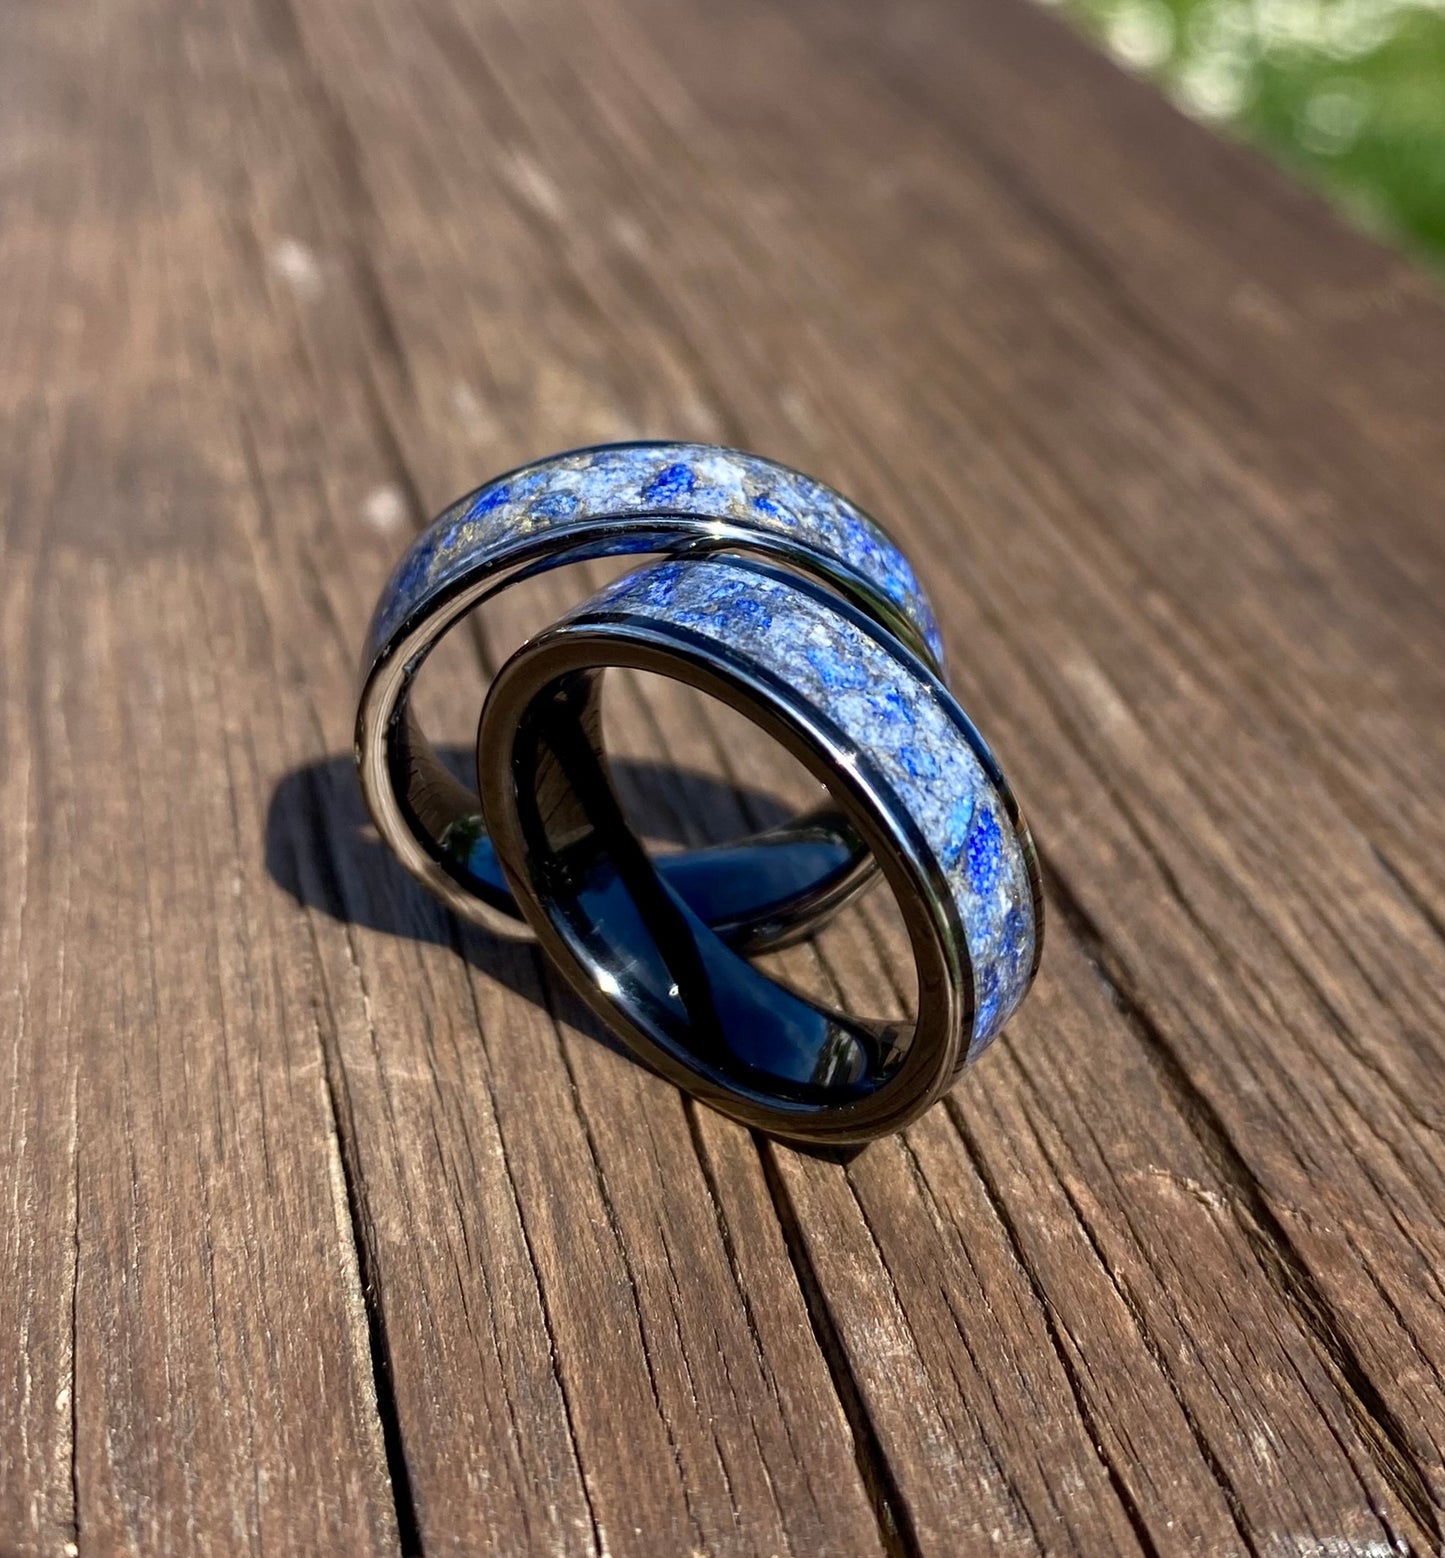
pixel 612 501
pixel 907 772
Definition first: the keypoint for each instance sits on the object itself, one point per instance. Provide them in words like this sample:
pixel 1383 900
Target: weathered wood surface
pixel 329 1224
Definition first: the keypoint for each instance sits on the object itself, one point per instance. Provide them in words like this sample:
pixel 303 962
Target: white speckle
pixel 1215 87
pixel 627 234
pixel 1289 1546
pixel 535 186
pixel 1142 35
pixel 794 405
pixel 385 510
pixel 1332 119
pixel 71 1550
pixel 298 267
pixel 467 408
pixel 1089 683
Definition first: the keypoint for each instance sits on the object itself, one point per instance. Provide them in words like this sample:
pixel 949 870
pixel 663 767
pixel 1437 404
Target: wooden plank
pixel 748 111
pixel 1282 299
pixel 179 1285
pixel 512 1281
pixel 1160 1277
pixel 1351 875
pixel 663 1386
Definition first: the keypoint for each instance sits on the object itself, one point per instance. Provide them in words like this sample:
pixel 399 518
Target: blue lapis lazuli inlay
pixel 671 484
pixel 490 499
pixel 557 505
pixel 584 493
pixel 985 851
pixel 898 717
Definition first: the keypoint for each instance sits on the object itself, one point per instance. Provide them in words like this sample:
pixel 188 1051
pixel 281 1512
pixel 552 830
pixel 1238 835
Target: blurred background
pixel 1348 93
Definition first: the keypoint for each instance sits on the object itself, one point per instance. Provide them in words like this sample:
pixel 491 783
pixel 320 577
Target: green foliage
pixel 1351 93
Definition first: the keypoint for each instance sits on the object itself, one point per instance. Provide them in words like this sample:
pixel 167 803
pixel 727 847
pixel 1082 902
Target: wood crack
pixel 1000 1209
pixel 403 1500
pixel 75 1518
pixel 599 1539
pixel 1279 1258
pixel 1411 894
pixel 605 1195
pixel 343 1124
pixel 895 1522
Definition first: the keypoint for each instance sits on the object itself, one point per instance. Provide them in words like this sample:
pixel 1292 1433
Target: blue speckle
pixel 988 999
pixel 670 484
pixel 493 498
pixel 455 535
pixel 652 586
pixel 985 853
pixel 896 577
pixel 837 669
pixel 659 584
pixel 960 816
pixel 764 504
pixel 753 612
pixel 556 505
pixel 891 707
pixel 412 571
pixel 918 762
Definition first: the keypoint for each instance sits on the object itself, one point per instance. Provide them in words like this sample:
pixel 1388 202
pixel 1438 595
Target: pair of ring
pixel 781 598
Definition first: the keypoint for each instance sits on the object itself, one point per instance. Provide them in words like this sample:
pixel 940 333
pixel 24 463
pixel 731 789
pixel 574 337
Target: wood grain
pixel 334 1226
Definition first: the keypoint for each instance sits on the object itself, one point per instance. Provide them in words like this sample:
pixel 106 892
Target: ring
pixel 902 761
pixel 618 500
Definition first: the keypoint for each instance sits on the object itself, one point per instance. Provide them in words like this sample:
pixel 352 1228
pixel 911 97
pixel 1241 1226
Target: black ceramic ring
pixel 618 500
pixel 905 767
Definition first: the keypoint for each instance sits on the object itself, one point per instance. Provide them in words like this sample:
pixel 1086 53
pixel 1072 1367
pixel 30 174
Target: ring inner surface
pixel 761 890
pixel 740 888
pixel 648 946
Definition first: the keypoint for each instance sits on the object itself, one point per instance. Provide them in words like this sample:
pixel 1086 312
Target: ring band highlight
pixel 619 500
pixel 907 770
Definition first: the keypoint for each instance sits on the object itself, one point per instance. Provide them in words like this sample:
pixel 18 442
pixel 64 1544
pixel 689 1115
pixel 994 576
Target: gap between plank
pixel 75 1326
pixel 333 1075
pixel 403 1501
pixel 895 1524
pixel 1000 1209
pixel 1279 1258
pixel 378 1344
pixel 1408 891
